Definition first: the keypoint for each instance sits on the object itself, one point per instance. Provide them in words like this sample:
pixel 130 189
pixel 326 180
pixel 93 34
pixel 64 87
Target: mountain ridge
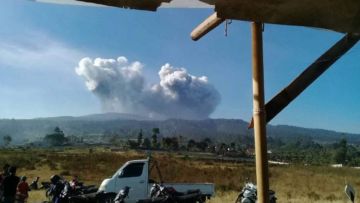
pixel 127 125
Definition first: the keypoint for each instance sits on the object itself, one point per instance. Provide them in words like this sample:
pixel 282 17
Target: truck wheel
pixel 107 198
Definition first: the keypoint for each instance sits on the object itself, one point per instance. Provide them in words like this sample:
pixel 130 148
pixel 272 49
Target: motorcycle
pixel 60 191
pixel 249 194
pixel 122 195
pixel 350 192
pixel 162 194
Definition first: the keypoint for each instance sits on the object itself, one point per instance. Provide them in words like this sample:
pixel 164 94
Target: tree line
pixel 302 149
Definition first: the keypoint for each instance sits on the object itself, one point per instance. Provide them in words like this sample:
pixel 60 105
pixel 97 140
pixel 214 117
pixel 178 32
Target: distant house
pixel 250 151
pixel 336 165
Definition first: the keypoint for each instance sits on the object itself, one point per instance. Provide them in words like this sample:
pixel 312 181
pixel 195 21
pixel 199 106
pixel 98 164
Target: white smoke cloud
pixel 121 87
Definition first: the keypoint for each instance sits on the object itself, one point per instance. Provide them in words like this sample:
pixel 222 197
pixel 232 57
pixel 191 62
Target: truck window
pixel 132 170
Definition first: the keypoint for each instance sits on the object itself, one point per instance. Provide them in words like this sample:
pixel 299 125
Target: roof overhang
pixel 338 15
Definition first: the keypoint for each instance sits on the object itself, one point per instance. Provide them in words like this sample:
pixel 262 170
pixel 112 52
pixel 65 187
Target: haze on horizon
pixel 48 64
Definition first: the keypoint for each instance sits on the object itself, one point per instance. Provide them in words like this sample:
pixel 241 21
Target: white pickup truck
pixel 135 174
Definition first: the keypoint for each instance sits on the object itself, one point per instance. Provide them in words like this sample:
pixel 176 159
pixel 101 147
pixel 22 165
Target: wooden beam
pixel 205 27
pixel 306 78
pixel 149 5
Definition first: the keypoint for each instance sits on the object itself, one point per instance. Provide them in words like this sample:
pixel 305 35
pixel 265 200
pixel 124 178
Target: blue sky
pixel 41 44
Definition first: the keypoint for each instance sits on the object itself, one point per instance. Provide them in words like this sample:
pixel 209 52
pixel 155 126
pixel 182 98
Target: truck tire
pixel 107 198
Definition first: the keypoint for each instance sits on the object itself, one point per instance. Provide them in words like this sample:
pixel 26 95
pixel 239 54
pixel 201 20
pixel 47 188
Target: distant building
pixel 336 165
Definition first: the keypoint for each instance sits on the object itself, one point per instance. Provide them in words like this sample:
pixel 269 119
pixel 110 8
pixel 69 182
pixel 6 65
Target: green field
pixel 292 183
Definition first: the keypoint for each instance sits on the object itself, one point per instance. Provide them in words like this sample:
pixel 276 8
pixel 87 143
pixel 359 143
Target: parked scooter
pixel 350 192
pixel 249 194
pixel 55 189
pixel 122 195
pixel 60 191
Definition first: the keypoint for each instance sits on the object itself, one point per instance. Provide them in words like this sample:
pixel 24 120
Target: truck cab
pixel 135 174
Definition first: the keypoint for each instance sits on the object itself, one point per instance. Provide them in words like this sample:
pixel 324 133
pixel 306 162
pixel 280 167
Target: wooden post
pixel 262 177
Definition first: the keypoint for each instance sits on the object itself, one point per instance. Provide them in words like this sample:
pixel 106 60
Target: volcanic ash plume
pixel 121 87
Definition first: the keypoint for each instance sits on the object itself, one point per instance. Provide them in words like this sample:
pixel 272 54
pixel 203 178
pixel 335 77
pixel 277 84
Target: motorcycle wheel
pixel 246 200
pixel 202 199
pixel 107 200
pixel 238 199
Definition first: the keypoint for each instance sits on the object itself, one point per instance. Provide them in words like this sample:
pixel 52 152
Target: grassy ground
pixel 292 183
